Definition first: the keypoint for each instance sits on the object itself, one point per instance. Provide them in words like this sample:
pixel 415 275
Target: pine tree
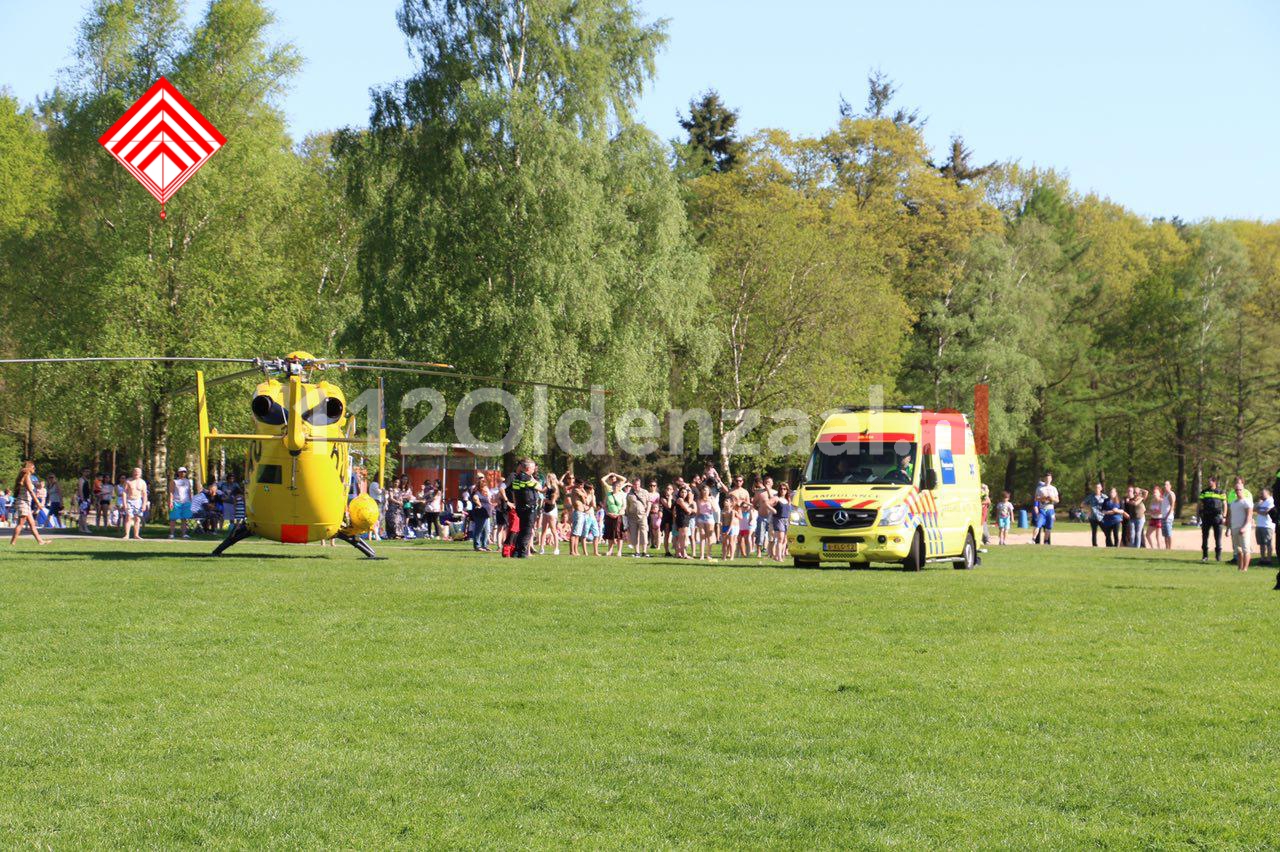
pixel 713 143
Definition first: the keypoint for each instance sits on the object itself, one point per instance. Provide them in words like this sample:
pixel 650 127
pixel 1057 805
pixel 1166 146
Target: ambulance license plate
pixel 840 546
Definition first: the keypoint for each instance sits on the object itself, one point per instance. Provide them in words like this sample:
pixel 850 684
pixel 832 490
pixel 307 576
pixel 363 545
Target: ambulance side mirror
pixel 930 478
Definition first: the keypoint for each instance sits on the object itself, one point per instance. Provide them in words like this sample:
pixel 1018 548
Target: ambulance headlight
pixel 798 519
pixel 893 516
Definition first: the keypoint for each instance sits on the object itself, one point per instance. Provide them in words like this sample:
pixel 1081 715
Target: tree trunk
pixel 725 455
pixel 1133 474
pixel 1011 471
pixel 1099 475
pixel 1180 448
pixel 158 475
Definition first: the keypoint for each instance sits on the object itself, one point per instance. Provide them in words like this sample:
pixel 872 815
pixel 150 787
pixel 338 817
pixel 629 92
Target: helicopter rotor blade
pixel 471 376
pixel 128 359
pixel 386 361
pixel 220 380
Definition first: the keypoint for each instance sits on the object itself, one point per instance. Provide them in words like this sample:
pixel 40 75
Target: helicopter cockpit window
pixel 269 474
pixel 327 412
pixel 267 410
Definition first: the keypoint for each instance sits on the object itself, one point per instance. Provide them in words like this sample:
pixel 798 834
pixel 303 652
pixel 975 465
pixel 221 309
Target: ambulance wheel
pixel 915 559
pixel 968 556
pixel 804 563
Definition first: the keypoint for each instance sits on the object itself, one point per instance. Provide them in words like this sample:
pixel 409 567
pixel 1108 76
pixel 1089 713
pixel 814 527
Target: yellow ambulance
pixel 889 485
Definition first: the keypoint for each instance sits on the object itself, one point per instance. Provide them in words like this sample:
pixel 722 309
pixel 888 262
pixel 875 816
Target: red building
pixel 454 466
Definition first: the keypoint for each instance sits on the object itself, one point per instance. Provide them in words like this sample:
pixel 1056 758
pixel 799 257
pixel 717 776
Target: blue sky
pixel 1169 108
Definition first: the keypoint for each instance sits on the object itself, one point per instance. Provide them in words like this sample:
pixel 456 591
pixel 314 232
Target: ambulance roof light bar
pixel 852 408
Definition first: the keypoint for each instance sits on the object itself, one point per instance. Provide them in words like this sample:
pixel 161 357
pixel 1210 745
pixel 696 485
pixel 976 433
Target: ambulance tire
pixel 915 559
pixel 969 556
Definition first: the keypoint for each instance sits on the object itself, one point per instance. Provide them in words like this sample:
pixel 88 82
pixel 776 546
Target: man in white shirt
pixel 1047 496
pixel 1167 526
pixel 1265 528
pixel 1240 514
pixel 179 502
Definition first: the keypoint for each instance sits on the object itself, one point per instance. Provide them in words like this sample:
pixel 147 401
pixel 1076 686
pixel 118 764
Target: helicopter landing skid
pixel 359 544
pixel 239 532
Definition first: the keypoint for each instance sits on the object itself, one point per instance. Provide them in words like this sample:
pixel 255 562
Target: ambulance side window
pixel 928 470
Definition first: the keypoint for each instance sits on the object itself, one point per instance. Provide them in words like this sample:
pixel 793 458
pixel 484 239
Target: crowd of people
pixel 123 505
pixel 1147 518
pixel 620 516
pixel 611 516
pixel 1144 518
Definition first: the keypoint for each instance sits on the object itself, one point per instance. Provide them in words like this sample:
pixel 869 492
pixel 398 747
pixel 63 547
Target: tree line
pixel 503 210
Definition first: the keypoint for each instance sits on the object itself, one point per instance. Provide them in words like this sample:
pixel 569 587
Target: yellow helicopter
pixel 298 484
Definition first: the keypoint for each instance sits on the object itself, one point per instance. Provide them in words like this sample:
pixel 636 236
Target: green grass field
pixel 151 697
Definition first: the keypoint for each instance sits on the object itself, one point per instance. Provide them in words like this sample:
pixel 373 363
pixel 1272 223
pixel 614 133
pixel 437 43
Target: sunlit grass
pixel 150 696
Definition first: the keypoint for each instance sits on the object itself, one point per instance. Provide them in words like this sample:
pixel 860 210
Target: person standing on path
pixel 25 504
pixel 84 499
pixel 1135 507
pixel 180 503
pixel 135 503
pixel 1240 514
pixel 1047 497
pixel 1212 511
pixel 637 511
pixel 1094 504
pixel 1156 510
pixel 1112 518
pixel 615 503
pixel 1265 527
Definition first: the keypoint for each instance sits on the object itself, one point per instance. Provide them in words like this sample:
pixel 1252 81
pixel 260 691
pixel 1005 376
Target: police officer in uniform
pixel 1213 509
pixel 1275 515
pixel 523 493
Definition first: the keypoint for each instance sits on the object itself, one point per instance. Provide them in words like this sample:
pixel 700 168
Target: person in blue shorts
pixel 1004 516
pixel 1047 497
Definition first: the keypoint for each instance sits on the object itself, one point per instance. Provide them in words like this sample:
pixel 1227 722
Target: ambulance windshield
pixel 862 463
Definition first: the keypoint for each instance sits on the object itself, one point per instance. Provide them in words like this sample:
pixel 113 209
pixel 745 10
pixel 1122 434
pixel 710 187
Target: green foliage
pixel 27 178
pixel 232 271
pixel 504 229
pixel 792 272
pixel 10 459
pixel 990 328
pixel 504 212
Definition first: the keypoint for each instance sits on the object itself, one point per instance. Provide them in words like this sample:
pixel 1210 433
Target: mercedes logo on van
pixel 840 518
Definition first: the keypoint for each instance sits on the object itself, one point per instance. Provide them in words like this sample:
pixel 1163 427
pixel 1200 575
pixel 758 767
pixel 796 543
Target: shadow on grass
pixel 54 553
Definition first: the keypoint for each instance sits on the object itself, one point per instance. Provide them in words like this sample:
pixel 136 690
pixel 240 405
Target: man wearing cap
pixel 179 502
pixel 523 494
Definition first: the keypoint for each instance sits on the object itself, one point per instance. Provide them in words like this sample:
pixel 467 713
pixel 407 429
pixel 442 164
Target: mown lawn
pixel 297 697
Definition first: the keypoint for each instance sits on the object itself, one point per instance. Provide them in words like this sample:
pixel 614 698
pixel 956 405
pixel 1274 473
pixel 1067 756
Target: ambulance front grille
pixel 850 519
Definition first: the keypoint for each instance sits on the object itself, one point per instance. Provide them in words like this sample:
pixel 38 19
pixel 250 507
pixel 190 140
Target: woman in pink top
pixel 1156 510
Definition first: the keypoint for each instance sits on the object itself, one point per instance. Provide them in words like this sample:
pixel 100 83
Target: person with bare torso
pixel 582 503
pixel 136 501
pixel 765 501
